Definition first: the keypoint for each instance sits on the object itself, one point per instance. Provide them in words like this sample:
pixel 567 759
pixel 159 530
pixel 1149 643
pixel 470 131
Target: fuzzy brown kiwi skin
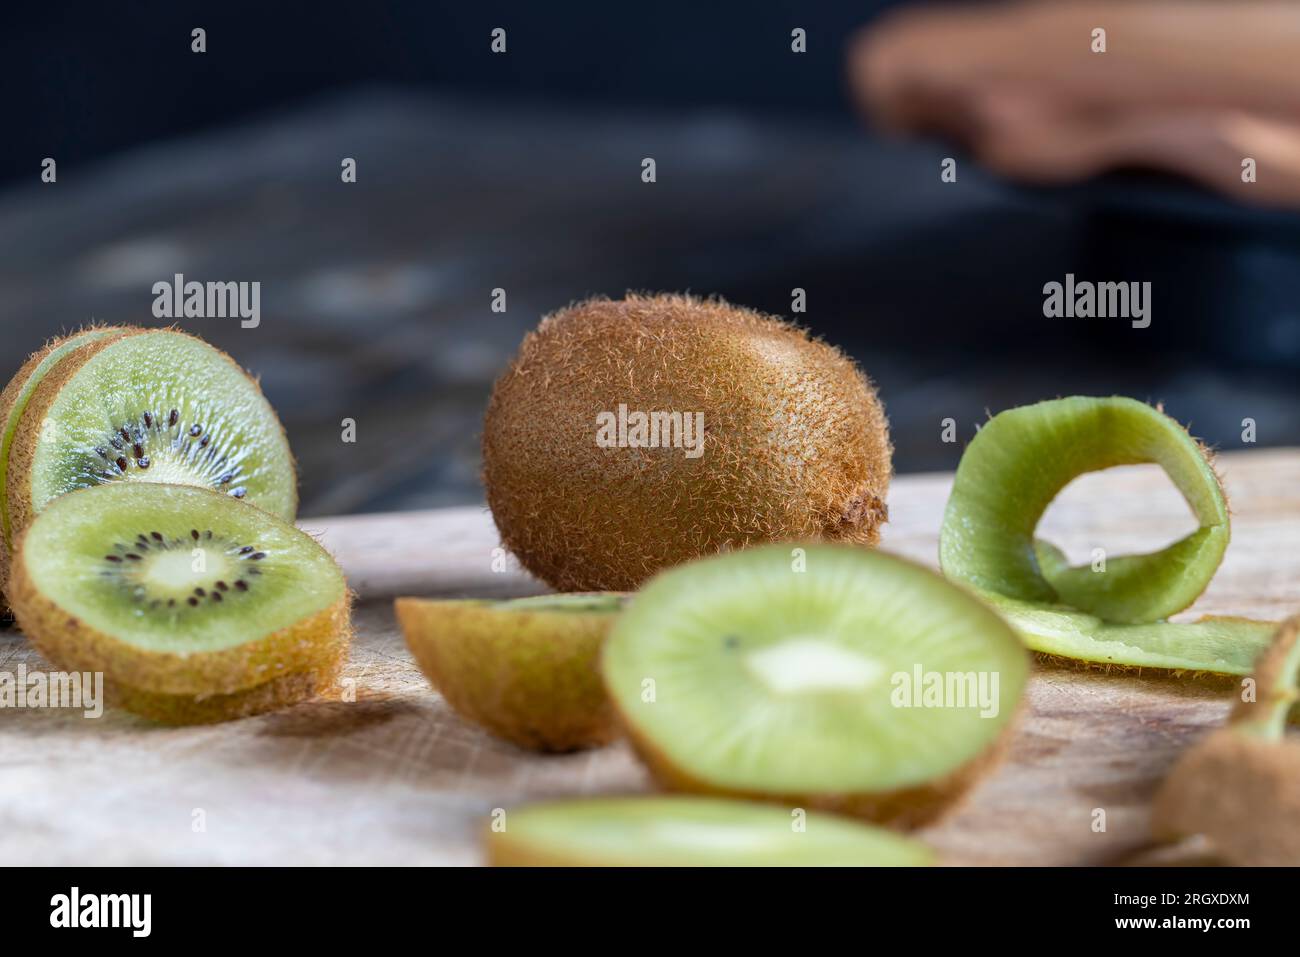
pixel 583 521
pixel 273 695
pixel 905 808
pixel 564 708
pixel 14 390
pixel 27 436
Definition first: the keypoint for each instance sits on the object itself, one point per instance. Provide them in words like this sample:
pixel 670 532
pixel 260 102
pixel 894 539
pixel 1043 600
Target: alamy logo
pixel 651 430
pixel 179 299
pixel 919 688
pixel 1098 300
pixel 103 910
pixel 83 690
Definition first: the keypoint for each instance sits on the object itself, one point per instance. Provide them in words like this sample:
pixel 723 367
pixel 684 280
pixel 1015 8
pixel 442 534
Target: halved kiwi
pixel 157 406
pixel 691 832
pixel 1016 465
pixel 1240 787
pixel 526 670
pixel 194 605
pixel 821 676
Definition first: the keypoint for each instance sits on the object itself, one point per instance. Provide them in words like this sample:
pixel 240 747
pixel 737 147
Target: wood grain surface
pixel 381 772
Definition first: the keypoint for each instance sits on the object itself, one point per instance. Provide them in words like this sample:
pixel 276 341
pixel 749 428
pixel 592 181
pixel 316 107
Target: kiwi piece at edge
pixel 1013 468
pixel 195 606
pixel 675 831
pixel 818 676
pixel 526 669
pixel 154 406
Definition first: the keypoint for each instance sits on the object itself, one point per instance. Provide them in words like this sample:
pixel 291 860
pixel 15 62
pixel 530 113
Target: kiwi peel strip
pixel 1013 469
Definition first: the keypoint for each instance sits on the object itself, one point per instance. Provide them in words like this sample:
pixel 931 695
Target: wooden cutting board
pixel 380 772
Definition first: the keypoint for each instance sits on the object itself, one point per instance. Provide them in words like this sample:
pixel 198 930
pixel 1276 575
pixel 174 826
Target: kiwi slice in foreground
pixel 155 406
pixel 692 832
pixel 527 670
pixel 820 676
pixel 194 605
pixel 1009 474
pixel 1240 787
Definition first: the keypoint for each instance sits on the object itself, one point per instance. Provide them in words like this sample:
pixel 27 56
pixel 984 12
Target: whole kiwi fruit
pixel 635 434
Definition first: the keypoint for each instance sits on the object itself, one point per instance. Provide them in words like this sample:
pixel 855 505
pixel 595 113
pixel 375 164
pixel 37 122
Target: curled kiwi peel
pixel 1013 469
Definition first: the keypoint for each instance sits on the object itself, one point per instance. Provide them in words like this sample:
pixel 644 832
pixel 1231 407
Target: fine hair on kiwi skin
pixel 203 421
pixel 525 670
pixel 800 650
pixel 1240 786
pixel 186 623
pixel 794 445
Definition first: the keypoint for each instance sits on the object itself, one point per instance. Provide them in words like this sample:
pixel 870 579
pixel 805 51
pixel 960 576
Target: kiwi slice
pixel 154 406
pixel 821 676
pixel 692 832
pixel 526 669
pixel 632 435
pixel 1020 460
pixel 13 401
pixel 194 605
pixel 1240 787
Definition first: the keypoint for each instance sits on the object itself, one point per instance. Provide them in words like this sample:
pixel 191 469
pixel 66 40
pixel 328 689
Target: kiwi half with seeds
pixel 691 832
pixel 527 670
pixel 155 406
pixel 818 676
pixel 194 605
pixel 787 440
pixel 1013 468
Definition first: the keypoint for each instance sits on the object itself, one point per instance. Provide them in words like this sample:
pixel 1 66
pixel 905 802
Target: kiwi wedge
pixel 632 435
pixel 1240 787
pixel 823 676
pixel 134 405
pixel 692 832
pixel 195 606
pixel 526 669
pixel 1020 460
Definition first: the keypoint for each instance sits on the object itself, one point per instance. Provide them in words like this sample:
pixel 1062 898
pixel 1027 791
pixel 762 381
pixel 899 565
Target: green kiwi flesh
pixel 526 669
pixel 692 832
pixel 158 407
pixel 178 595
pixel 804 675
pixel 1012 470
pixel 46 360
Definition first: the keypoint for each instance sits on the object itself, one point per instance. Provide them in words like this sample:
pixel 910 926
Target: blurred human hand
pixel 1190 87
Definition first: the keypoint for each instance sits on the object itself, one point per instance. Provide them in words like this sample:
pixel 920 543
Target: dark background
pixel 522 171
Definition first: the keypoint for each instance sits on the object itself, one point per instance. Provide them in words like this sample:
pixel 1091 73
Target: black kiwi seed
pixel 112 558
pixel 103 452
pixel 172 417
pixel 116 443
pixel 171 602
pixel 239 492
pixel 133 556
pixel 204 441
pixel 137 450
pixel 148 421
pixel 225 478
pixel 246 549
pixel 216 596
pixel 196 430
pixel 143 461
pixel 223 586
pixel 156 536
pixel 192 600
pixel 126 436
pixel 121 463
pixel 194 534
pixel 257 556
pixel 200 592
pixel 241 584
